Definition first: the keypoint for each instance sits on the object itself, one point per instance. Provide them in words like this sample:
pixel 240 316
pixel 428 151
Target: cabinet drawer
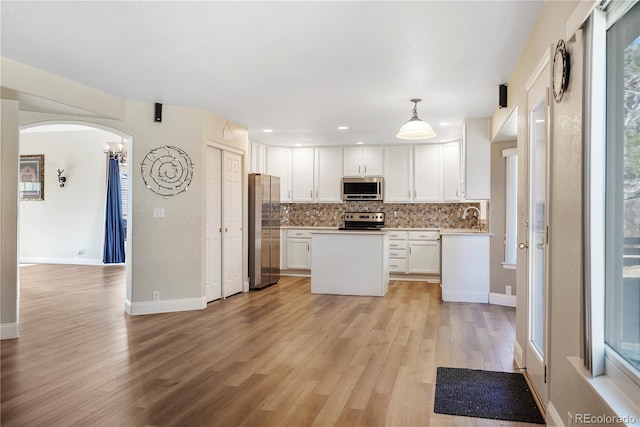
pixel 299 234
pixel 424 235
pixel 398 265
pixel 398 244
pixel 397 235
pixel 397 253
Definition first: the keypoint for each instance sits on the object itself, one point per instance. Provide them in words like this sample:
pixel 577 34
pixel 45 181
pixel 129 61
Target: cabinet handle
pixel 226 229
pixel 298 234
pixel 311 194
pixel 308 248
pixel 358 168
pixel 316 194
pixel 415 194
pixel 289 194
pixel 365 169
pixel 393 265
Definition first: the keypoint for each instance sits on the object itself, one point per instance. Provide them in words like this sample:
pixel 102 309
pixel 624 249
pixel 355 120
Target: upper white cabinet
pixel 316 174
pixel 302 188
pixel 428 173
pixel 363 161
pixel 452 170
pixel 398 181
pixel 477 145
pixel 258 157
pixel 279 164
pixel 328 173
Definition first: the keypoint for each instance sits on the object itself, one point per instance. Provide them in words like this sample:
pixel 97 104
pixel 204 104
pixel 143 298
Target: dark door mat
pixel 485 394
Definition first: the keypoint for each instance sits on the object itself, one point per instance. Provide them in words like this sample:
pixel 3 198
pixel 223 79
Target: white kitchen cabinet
pixel 424 252
pixel 279 164
pixel 477 149
pixel 363 161
pixel 398 251
pixel 302 185
pixel 258 156
pixel 398 179
pixel 452 190
pixel 328 173
pixel 465 267
pixel 298 249
pixel 428 179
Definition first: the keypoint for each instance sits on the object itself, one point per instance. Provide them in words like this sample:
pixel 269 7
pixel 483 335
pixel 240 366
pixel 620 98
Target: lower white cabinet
pixel 414 252
pixel 424 252
pixel 465 268
pixel 298 249
pixel 398 251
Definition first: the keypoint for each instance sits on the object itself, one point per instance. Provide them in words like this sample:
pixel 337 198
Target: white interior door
pixel 213 224
pixel 537 244
pixel 232 220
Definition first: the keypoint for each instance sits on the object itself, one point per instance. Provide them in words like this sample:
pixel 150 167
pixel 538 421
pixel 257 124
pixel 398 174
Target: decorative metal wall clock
pixel 167 170
pixel 561 70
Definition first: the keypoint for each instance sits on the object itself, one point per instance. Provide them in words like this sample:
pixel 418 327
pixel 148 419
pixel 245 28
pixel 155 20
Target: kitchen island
pixel 350 263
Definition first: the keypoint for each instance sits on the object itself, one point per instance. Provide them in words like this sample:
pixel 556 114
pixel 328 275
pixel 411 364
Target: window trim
pixel 511 201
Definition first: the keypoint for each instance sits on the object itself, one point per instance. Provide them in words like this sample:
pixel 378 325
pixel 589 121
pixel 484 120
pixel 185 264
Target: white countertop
pixel 443 231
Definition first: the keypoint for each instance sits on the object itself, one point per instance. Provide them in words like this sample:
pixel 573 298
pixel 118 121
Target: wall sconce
pixel 61 179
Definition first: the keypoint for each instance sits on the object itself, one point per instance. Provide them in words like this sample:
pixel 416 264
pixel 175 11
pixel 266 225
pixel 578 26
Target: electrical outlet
pixel 508 290
pixel 156 295
pixel 395 214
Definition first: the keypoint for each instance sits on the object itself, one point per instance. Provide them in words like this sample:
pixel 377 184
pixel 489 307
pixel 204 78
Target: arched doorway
pixel 67 227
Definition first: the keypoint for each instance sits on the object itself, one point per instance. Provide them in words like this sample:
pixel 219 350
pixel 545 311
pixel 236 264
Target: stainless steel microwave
pixel 368 188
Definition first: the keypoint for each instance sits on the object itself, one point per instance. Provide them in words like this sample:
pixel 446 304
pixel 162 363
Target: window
pixel 622 199
pixel 511 207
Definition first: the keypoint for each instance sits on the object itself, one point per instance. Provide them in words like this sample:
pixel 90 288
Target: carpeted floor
pixel 485 394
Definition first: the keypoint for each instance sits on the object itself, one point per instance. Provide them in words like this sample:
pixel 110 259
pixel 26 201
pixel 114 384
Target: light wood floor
pixel 276 357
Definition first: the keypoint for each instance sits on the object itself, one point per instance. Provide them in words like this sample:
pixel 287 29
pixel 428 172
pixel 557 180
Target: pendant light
pixel 415 128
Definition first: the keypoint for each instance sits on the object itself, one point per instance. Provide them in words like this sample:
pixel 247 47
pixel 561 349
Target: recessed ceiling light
pixel 359 142
pixel 267 130
pixel 444 123
pixel 343 127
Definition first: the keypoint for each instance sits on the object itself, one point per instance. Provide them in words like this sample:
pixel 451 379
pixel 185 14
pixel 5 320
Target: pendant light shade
pixel 415 128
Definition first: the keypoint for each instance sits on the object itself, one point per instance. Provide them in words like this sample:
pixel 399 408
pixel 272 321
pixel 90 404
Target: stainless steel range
pixel 363 221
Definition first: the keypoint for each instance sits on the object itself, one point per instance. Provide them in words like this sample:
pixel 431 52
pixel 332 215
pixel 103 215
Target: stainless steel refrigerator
pixel 264 230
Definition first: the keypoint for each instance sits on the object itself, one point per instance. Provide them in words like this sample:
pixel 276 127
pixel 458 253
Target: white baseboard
pixel 517 355
pixel 8 331
pixel 553 418
pixel 464 297
pixel 165 306
pixel 74 261
pixel 502 299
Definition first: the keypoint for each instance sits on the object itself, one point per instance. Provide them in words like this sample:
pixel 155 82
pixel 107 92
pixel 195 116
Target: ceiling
pixel 299 68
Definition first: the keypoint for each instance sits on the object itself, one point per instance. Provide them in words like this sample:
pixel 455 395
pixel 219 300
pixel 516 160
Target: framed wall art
pixel 31 177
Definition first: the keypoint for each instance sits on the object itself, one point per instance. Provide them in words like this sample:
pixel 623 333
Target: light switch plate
pixel 158 212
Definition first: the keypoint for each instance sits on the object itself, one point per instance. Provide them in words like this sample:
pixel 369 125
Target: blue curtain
pixel 114 223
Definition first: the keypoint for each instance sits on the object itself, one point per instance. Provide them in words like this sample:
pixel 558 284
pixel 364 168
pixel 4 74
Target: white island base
pixel 350 263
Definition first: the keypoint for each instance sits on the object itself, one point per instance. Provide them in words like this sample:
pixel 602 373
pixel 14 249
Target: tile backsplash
pixel 409 215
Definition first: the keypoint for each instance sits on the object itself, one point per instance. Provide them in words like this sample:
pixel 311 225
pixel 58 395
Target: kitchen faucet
pixel 464 213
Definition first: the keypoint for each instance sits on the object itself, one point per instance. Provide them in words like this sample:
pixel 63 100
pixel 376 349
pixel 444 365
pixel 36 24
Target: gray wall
pixel 9 218
pixel 500 277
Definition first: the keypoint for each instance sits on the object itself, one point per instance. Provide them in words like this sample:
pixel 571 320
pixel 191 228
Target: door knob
pixel 524 245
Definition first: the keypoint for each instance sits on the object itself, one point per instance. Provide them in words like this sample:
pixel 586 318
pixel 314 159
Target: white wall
pixel 70 219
